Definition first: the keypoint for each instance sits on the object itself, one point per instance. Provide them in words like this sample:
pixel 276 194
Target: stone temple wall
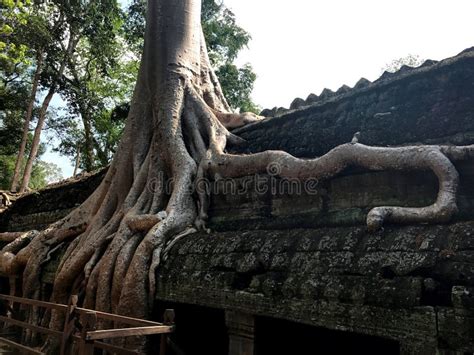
pixel 432 104
pixel 38 209
pixel 302 253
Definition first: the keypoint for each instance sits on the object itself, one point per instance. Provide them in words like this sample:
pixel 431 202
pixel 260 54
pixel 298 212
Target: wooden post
pixel 89 320
pixel 13 308
pixel 241 330
pixel 168 319
pixel 69 323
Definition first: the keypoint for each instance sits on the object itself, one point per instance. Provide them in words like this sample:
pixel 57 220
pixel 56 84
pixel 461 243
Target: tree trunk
pixel 42 118
pixel 78 160
pixel 36 141
pixel 89 140
pixel 26 125
pixel 173 137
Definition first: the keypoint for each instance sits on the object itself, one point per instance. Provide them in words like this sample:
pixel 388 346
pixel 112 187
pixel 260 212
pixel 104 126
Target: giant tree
pixel 12 107
pixel 224 38
pixel 120 234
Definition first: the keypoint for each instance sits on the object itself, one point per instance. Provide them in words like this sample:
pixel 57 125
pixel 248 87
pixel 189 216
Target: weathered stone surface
pixel 362 83
pixel 36 210
pixel 386 75
pixel 326 94
pixel 431 105
pixel 405 68
pixel 297 103
pixel 390 284
pixel 467 50
pixel 312 98
pixel 267 202
pixel 266 113
pixel 429 62
pixel 281 111
pixel 273 111
pixel 343 89
pixel 456 329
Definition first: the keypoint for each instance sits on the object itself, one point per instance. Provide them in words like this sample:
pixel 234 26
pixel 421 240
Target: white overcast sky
pixel 303 46
pixel 300 47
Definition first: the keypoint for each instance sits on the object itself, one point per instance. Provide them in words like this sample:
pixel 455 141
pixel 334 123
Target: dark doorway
pixel 5 289
pixel 274 336
pixel 199 330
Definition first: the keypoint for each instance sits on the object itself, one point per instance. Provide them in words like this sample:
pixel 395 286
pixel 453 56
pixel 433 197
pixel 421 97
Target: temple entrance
pixel 275 336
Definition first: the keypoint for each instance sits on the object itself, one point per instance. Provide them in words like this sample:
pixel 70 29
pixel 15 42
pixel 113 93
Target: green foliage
pixel 100 76
pixel 71 136
pixel 237 85
pixel 10 133
pixel 134 25
pixel 13 48
pixel 97 84
pixel 7 165
pixel 25 33
pixel 224 38
pixel 11 116
pixel 10 136
pixel 44 173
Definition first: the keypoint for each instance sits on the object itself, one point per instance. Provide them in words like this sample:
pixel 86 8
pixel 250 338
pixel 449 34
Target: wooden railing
pixel 87 338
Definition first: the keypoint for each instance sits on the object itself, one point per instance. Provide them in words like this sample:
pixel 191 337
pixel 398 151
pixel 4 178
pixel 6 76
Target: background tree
pixel 32 31
pixel 95 85
pixel 10 129
pixel 80 37
pixel 237 85
pixel 54 75
pixel 10 137
pixel 44 173
pixel 23 31
pixel 99 78
pixel 225 39
pixel 98 83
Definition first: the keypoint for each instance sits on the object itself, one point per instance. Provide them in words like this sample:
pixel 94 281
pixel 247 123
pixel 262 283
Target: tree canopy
pixel 93 74
pixel 224 39
pixel 23 31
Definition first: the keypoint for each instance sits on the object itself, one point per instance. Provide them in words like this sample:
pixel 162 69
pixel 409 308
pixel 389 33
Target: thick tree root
pixel 236 120
pixel 9 237
pixel 371 158
pixel 8 260
pixel 4 200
